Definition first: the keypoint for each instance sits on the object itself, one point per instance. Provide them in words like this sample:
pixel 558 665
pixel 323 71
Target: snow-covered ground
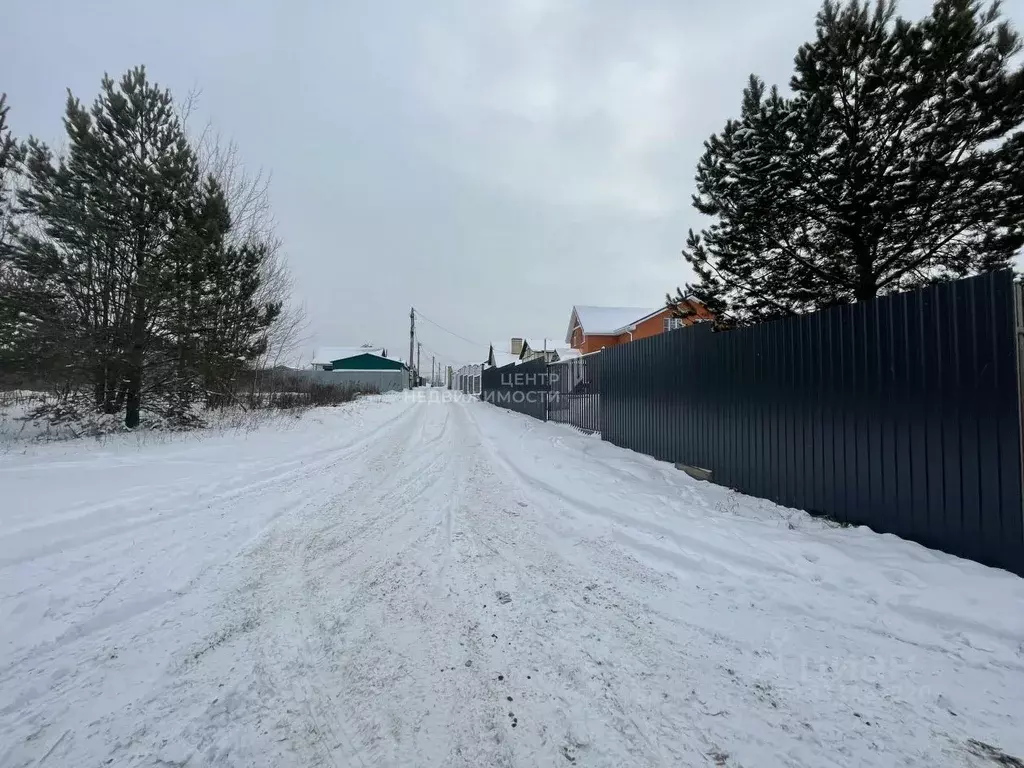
pixel 399 582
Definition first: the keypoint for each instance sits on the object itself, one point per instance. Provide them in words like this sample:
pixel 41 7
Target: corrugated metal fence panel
pixel 900 413
pixel 522 388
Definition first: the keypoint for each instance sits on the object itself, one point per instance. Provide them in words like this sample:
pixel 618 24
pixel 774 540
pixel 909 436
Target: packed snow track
pixel 410 581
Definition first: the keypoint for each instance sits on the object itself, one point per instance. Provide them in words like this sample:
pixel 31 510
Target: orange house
pixel 593 328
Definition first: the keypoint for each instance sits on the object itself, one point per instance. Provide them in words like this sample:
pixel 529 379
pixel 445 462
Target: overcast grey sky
pixel 490 163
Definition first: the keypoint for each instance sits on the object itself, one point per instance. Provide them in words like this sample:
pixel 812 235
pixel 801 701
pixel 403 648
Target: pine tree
pixel 112 216
pixel 896 162
pixel 9 160
pixel 189 286
pixel 10 156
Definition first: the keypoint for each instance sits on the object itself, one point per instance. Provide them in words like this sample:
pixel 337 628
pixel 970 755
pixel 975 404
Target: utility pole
pixel 433 372
pixel 412 335
pixel 419 348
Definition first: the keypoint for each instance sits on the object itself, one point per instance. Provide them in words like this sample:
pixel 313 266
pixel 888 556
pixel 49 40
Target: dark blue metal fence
pixel 522 388
pixel 902 413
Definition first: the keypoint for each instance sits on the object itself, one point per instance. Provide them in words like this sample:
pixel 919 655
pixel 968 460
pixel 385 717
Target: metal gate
pixel 575 395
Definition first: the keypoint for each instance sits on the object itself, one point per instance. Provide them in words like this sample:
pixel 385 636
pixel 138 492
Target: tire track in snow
pixel 265 474
pixel 375 628
pixel 293 577
pixel 590 633
pixel 75 643
pixel 239 494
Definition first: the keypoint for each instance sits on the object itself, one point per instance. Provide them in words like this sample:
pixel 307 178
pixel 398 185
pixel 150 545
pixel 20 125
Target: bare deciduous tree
pixel 248 196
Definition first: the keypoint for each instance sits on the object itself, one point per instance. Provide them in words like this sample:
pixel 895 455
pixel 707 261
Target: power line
pixel 444 358
pixel 453 333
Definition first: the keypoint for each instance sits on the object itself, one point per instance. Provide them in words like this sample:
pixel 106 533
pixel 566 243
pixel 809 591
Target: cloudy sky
pixel 490 163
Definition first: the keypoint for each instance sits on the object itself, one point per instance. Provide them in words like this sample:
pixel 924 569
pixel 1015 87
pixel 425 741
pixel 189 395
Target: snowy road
pixel 403 583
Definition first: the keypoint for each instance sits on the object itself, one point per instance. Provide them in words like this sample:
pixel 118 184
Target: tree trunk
pixel 110 384
pixel 866 290
pixel 133 395
pixel 105 383
pixel 133 399
pixel 99 387
pixel 867 285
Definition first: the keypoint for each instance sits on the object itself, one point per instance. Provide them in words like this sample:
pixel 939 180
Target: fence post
pixel 547 390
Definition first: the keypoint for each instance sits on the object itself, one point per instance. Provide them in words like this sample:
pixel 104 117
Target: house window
pixel 672 323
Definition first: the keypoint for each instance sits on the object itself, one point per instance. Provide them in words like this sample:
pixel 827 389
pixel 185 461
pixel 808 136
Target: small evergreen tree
pixel 896 162
pixel 112 215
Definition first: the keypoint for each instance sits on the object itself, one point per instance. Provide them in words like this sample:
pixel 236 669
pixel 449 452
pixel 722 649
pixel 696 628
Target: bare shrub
pixel 292 391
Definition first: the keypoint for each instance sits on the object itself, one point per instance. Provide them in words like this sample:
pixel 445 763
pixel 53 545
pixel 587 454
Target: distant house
pixel 500 358
pixel 593 328
pixel 551 350
pixel 324 357
pixel 365 366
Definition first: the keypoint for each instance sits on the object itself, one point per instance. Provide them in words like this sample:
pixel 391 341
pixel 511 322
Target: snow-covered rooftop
pixel 504 358
pixel 599 320
pixel 560 348
pixel 539 345
pixel 327 355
